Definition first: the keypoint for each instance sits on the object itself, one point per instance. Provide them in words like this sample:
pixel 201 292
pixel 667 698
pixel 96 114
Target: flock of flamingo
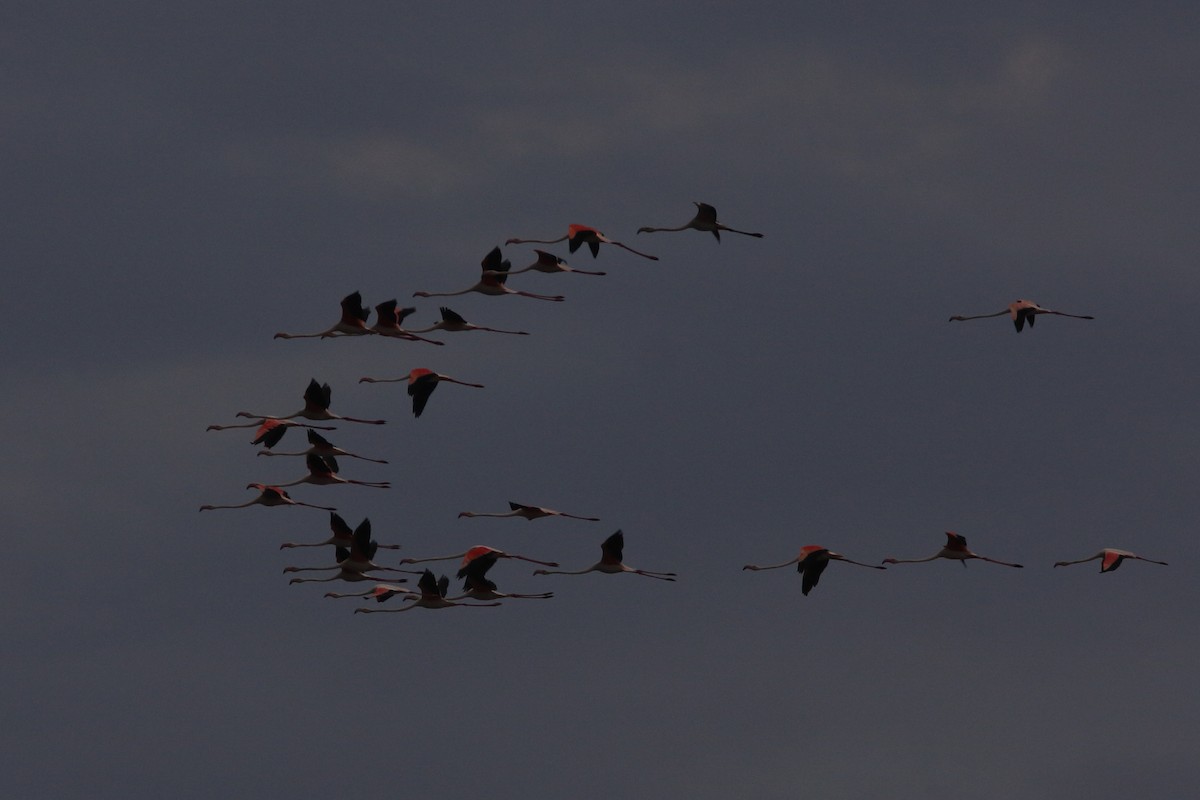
pixel 354 548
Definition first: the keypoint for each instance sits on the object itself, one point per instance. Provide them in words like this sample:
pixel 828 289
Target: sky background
pixel 182 183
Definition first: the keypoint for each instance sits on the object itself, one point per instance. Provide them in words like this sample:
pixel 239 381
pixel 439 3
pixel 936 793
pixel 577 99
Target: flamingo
pixel 433 595
pixel 492 282
pixel 342 536
pixel 316 407
pixel 421 383
pixel 475 552
pixel 454 323
pixel 550 263
pixel 269 496
pixel 1021 311
pixel 320 446
pixel 580 235
pixel 610 562
pixel 1111 558
pixel 810 563
pixel 955 549
pixel 352 323
pixel 380 591
pixel 322 471
pixel 352 562
pixel 478 587
pixel 389 319
pixel 528 512
pixel 270 431
pixel 705 220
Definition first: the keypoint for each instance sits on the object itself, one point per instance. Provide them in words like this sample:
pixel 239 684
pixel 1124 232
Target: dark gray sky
pixel 181 184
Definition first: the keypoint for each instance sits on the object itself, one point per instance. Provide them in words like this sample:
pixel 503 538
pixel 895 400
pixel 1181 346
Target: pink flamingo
pixel 322 471
pixel 320 446
pixel 270 431
pixel 705 220
pixel 352 323
pixel 955 549
pixel 578 235
pixel 528 512
pixel 810 563
pixel 269 496
pixel 454 323
pixel 550 263
pixel 316 407
pixel 492 282
pixel 475 552
pixel 342 536
pixel 433 595
pixel 610 562
pixel 1022 311
pixel 389 319
pixel 421 383
pixel 1111 558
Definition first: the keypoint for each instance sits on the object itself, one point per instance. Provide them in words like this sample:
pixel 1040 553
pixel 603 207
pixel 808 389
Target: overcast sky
pixel 183 184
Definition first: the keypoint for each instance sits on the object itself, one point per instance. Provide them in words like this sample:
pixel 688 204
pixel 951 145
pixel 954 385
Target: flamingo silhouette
pixel 421 383
pixel 342 535
pixel 578 235
pixel 320 446
pixel 810 563
pixel 492 281
pixel 705 220
pixel 269 496
pixel 955 550
pixel 611 551
pixel 527 512
pixel 455 323
pixel 352 323
pixel 1021 311
pixel 433 595
pixel 389 319
pixel 316 407
pixel 270 431
pixel 1111 559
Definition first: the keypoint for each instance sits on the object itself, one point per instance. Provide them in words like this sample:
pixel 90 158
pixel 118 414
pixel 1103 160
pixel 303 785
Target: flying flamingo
pixel 316 407
pixel 955 549
pixel 269 496
pixel 421 383
pixel 454 323
pixel 433 595
pixel 322 471
pixel 320 446
pixel 1022 311
pixel 492 282
pixel 380 591
pixel 810 563
pixel 352 562
pixel 610 562
pixel 580 235
pixel 478 587
pixel 475 552
pixel 1111 559
pixel 550 263
pixel 270 431
pixel 342 536
pixel 528 512
pixel 352 323
pixel 705 220
pixel 389 319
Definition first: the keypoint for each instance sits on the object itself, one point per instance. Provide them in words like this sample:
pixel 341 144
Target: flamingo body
pixel 1110 559
pixel 705 220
